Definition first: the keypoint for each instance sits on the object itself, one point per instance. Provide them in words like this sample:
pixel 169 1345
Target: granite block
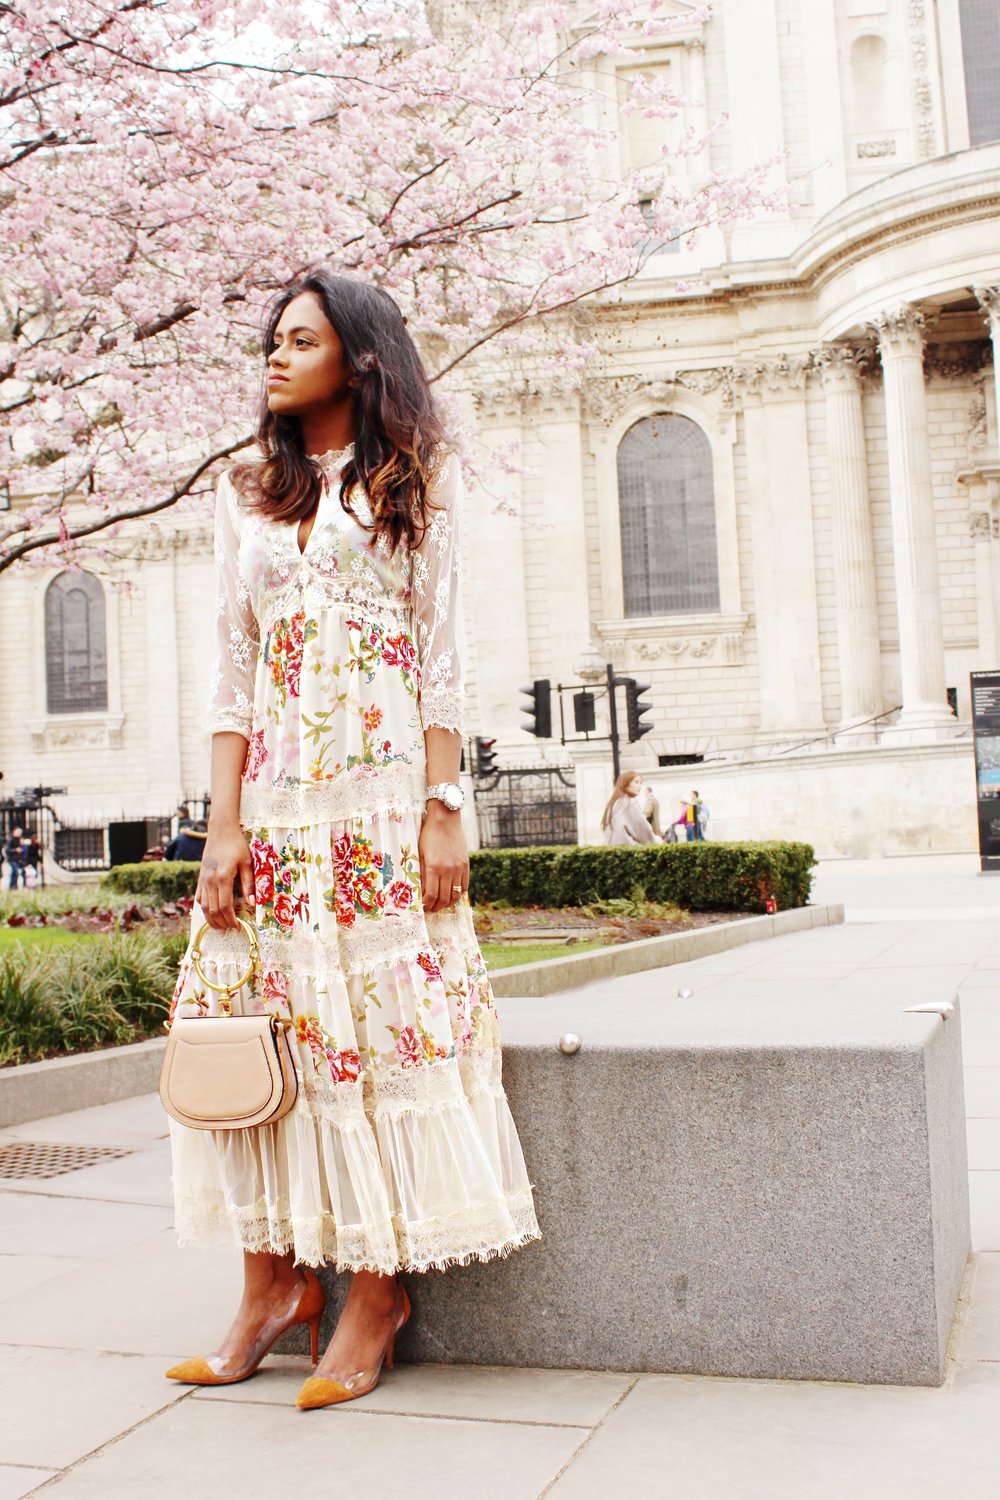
pixel 724 1187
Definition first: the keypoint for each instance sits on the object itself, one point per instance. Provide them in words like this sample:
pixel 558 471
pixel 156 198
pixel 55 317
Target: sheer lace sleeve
pixel 437 603
pixel 237 636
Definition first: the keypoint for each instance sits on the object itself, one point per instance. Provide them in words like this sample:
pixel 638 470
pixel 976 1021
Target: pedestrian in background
pixel 13 853
pixel 31 859
pixel 651 810
pixel 622 821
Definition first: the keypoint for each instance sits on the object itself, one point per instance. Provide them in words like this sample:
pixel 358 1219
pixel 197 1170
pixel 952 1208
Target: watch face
pixel 453 798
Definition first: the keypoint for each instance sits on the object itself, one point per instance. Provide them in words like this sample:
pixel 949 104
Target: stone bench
pixel 758 1188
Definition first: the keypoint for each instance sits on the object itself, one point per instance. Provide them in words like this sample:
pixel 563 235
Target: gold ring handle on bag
pixel 226 990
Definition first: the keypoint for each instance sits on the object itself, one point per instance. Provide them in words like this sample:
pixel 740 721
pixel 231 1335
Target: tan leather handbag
pixel 228 1072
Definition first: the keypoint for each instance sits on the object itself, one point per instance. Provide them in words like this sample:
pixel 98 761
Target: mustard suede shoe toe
pixel 320 1391
pixel 195 1371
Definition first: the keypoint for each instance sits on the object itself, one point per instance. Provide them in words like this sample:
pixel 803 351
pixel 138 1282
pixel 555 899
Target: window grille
pixel 76 662
pixel 981 58
pixel 666 499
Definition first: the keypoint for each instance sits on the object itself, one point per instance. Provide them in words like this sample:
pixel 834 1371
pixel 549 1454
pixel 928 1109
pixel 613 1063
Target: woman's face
pixel 307 368
pixel 634 787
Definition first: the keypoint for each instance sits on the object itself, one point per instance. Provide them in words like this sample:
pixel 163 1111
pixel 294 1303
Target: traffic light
pixel 635 709
pixel 485 756
pixel 538 707
pixel 584 712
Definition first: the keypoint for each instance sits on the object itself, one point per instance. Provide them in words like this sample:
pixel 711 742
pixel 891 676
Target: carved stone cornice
pixel 773 379
pixel 639 643
pixel 606 399
pixel 899 330
pixel 956 361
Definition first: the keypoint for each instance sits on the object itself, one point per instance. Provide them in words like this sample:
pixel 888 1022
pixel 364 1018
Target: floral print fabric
pixel 400 1150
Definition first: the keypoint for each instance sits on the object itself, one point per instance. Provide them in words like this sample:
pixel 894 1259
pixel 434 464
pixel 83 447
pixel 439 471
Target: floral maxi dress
pixel 400 1151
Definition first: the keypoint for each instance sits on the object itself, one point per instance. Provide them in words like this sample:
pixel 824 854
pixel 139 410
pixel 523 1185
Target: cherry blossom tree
pixel 166 165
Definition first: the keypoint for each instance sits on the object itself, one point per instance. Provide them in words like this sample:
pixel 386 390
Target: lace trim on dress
pixel 341 1104
pixel 419 1090
pixel 483 1233
pixel 348 796
pixel 481 1071
pixel 270 1227
pixel 441 706
pixel 225 720
pixel 378 944
pixel 478 1233
pixel 314 592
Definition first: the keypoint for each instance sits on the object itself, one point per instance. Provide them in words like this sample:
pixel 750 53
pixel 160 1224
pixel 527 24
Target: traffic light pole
pixel 616 759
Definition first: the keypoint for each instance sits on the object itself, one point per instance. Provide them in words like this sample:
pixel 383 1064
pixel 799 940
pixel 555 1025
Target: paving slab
pixel 16 1481
pixel 229 1449
pixel 151 1298
pixel 569 1398
pixel 128 1122
pixel 690 1438
pixel 984 1144
pixel 978 1337
pixel 19 1273
pixel 48 1225
pixel 982 1087
pixel 60 1404
pixel 984 1210
pixel 142 1177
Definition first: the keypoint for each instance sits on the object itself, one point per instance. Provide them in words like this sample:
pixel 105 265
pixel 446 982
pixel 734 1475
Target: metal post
pixel 616 760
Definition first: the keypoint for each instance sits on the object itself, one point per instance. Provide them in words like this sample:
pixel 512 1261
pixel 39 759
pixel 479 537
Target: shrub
pixel 700 876
pixel 705 876
pixel 96 992
pixel 159 879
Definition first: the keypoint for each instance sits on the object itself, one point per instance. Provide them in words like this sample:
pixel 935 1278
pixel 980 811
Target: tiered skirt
pixel 400 1152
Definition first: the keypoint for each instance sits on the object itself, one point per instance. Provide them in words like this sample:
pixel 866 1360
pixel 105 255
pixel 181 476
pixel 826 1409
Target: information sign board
pixel 986 734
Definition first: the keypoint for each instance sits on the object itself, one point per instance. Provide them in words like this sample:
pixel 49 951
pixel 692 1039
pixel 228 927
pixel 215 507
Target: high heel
pixel 322 1390
pixel 212 1369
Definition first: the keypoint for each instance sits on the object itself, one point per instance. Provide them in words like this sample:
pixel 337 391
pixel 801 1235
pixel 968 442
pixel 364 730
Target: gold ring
pixel 236 984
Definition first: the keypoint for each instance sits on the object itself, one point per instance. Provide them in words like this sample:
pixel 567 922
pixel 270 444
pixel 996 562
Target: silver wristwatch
pixel 448 792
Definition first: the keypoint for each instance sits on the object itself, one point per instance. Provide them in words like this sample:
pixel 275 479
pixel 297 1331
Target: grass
pixel 506 955
pixel 58 900
pixel 39 937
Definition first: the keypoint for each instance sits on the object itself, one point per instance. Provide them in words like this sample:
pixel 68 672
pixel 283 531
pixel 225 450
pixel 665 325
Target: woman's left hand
pixel 444 857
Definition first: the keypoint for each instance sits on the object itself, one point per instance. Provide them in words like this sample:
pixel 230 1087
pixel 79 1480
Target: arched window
pixel 76 658
pixel 666 501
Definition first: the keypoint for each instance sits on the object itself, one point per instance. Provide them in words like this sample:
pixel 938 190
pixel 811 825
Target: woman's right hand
pixel 227 855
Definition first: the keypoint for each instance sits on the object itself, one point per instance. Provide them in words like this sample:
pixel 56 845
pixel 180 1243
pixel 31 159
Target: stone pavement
pixel 96 1300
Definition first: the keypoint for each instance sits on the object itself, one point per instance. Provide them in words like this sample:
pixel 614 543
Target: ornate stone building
pixel 777 499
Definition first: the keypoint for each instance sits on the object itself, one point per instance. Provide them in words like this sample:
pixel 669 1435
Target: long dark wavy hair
pixel 399 432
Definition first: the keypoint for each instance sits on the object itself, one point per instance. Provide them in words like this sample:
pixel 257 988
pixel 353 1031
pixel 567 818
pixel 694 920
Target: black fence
pixel 93 845
pixel 519 808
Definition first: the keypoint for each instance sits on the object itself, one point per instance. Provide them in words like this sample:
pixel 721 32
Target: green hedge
pixel 705 876
pixel 159 879
pixel 701 876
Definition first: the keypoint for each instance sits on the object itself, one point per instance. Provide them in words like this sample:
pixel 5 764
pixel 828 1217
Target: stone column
pixel 853 546
pixel 983 488
pixel 925 713
pixel 784 567
pixel 494 556
pixel 164 781
pixel 563 541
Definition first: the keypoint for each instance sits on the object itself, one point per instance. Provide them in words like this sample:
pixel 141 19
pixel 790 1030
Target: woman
pixel 622 820
pixel 336 710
